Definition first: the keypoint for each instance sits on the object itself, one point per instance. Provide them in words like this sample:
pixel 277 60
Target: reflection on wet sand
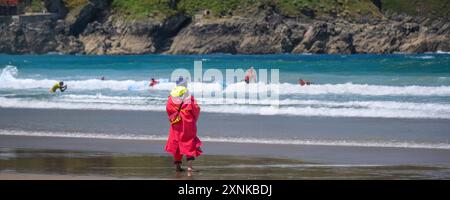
pixel 53 164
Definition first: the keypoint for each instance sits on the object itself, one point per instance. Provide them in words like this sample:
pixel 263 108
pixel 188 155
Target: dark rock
pixel 169 29
pixel 410 28
pixel 308 12
pixel 318 47
pixel 377 3
pixel 56 6
pixel 96 30
pixel 36 38
pixel 90 12
pixel 316 32
pixel 342 44
pixel 444 30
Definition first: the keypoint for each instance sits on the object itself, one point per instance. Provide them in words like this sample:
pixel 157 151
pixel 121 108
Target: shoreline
pixel 45 164
pixel 31 176
pixel 114 124
pixel 438 52
pixel 226 125
pixel 46 157
pixel 307 153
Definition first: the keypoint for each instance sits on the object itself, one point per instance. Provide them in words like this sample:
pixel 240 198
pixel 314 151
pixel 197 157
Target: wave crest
pixel 245 140
pixel 9 80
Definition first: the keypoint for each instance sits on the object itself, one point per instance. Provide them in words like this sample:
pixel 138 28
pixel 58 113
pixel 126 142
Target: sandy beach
pixel 87 165
pixel 28 176
pixel 50 144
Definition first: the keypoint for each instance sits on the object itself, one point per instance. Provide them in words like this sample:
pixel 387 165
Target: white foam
pixel 299 165
pixel 9 80
pixel 423 57
pixel 99 98
pixel 364 89
pixel 442 52
pixel 39 104
pixel 382 109
pixel 331 112
pixel 241 140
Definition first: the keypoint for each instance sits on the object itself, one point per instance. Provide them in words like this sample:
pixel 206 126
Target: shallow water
pixel 151 166
pixel 230 128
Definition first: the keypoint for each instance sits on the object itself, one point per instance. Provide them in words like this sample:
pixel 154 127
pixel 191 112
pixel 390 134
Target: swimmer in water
pixel 153 82
pixel 304 82
pixel 250 75
pixel 59 86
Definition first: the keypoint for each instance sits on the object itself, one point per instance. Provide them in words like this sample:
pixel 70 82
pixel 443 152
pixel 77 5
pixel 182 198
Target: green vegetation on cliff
pixel 349 8
pixel 292 8
pixel 427 8
pixel 144 8
pixel 218 8
pixel 72 4
pixel 135 9
pixel 35 6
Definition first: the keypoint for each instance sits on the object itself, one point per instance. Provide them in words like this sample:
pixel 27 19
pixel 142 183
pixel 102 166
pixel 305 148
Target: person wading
pixel 59 86
pixel 183 112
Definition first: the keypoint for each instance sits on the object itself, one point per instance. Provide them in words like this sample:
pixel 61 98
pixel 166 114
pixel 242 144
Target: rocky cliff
pixel 95 28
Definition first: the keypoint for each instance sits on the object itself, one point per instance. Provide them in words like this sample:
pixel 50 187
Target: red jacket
pixel 153 83
pixel 183 135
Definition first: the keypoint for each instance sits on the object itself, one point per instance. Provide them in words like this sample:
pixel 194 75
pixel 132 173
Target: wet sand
pixel 28 176
pixel 229 125
pixel 309 153
pixel 66 157
pixel 86 165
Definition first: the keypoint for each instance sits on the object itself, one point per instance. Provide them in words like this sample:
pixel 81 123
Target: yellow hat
pixel 178 91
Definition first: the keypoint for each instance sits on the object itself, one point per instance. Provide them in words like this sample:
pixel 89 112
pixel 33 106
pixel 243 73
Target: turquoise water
pixel 388 86
pixel 427 69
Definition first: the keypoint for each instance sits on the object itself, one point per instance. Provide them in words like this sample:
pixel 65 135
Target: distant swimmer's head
pixel 61 83
pixel 181 81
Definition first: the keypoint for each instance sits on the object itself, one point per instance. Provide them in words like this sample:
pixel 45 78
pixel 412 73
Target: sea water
pixel 385 86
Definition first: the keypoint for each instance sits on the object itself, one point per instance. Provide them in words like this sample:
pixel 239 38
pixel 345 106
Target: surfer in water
pixel 183 113
pixel 102 78
pixel 304 82
pixel 250 75
pixel 59 86
pixel 153 82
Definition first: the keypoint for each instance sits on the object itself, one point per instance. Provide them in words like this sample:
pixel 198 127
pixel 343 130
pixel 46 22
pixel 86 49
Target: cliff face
pixel 136 37
pixel 96 29
pixel 273 33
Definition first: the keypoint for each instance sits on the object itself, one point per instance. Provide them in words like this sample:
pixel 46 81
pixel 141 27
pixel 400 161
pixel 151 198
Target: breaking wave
pixel 245 140
pixel 9 80
pixel 382 109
